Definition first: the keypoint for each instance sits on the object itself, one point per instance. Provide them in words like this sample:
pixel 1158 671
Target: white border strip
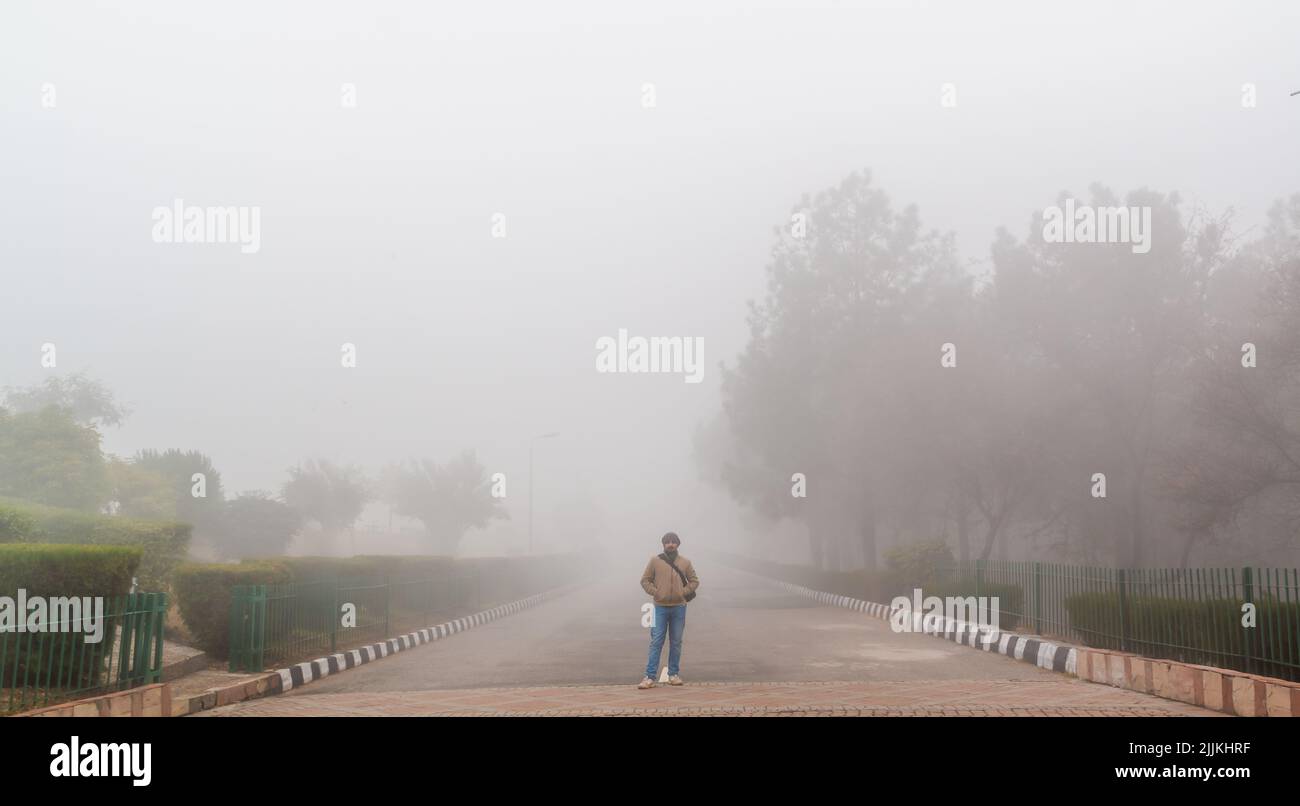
pixel 1044 654
pixel 300 674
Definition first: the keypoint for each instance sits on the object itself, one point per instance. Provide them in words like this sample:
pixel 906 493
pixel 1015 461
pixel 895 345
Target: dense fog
pixel 803 281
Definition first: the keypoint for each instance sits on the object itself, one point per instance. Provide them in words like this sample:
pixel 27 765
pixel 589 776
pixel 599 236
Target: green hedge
pixel 203 596
pixel 920 564
pixel 203 590
pixel 1205 631
pixel 164 543
pixel 313 569
pixel 62 570
pixel 65 570
pixel 883 586
pixel 1011 598
pixel 499 579
pixel 870 586
pixel 494 578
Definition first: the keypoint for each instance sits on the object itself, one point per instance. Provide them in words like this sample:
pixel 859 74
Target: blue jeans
pixel 670 620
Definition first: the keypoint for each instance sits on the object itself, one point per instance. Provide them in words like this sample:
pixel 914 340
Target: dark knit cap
pixel 671 537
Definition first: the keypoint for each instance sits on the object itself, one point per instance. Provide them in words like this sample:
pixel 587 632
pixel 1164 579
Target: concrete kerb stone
pixel 300 674
pixel 1029 649
pixel 1225 690
pixel 149 700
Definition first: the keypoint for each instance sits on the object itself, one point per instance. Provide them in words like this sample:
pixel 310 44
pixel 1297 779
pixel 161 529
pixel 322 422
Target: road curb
pixel 300 674
pixel 1049 655
pixel 1225 690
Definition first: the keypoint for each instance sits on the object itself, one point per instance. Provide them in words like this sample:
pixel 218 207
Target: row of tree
pixel 920 399
pixel 448 499
pixel 50 453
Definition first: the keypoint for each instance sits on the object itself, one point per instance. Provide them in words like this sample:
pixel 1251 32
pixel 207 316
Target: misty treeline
pixel 50 454
pixel 1071 359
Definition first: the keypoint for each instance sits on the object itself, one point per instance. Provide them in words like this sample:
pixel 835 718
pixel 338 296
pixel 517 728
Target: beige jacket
pixel 665 584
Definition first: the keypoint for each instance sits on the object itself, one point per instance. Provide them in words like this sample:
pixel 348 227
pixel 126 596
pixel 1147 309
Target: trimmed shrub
pixel 870 586
pixel 65 570
pixel 462 582
pixel 500 579
pixel 203 595
pixel 1207 631
pixel 164 543
pixel 204 592
pixel 62 570
pixel 1011 598
pixel 918 565
pixel 315 569
pixel 883 586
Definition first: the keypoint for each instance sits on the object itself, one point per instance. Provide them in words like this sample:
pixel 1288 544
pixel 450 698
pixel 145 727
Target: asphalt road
pixel 739 629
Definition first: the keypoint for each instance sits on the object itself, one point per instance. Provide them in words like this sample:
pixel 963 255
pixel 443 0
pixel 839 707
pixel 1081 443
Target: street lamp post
pixel 530 485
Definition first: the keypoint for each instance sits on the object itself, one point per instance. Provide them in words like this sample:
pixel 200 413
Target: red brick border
pixel 1226 690
pixel 264 685
pixel 152 700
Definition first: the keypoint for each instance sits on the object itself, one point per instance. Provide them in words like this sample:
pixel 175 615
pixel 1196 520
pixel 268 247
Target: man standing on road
pixel 670 579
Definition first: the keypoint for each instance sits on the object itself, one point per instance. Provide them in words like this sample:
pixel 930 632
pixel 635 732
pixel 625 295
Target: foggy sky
pixel 376 221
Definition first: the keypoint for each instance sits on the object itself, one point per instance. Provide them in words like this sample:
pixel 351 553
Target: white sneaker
pixel 675 681
pixel 647 683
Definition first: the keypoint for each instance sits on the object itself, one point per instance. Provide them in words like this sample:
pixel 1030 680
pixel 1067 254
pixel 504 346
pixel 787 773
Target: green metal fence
pixel 275 624
pixel 1194 615
pixel 44 668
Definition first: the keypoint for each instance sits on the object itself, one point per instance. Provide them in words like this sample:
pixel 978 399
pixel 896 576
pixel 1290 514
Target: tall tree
pixel 449 499
pixel 88 401
pixel 332 495
pixel 48 457
pixel 816 389
pixel 1241 464
pixel 138 492
pixel 197 496
pixel 1115 329
pixel 1071 358
pixel 257 525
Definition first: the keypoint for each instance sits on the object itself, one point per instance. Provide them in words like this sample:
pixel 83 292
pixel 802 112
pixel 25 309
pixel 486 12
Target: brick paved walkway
pixel 583 653
pixel 1063 697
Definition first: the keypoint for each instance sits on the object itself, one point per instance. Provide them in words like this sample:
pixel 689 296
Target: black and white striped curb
pixel 1038 651
pixel 300 674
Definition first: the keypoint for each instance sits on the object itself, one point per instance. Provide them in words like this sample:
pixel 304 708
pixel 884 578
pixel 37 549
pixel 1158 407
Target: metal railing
pixel 275 624
pixel 57 664
pixel 1194 615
